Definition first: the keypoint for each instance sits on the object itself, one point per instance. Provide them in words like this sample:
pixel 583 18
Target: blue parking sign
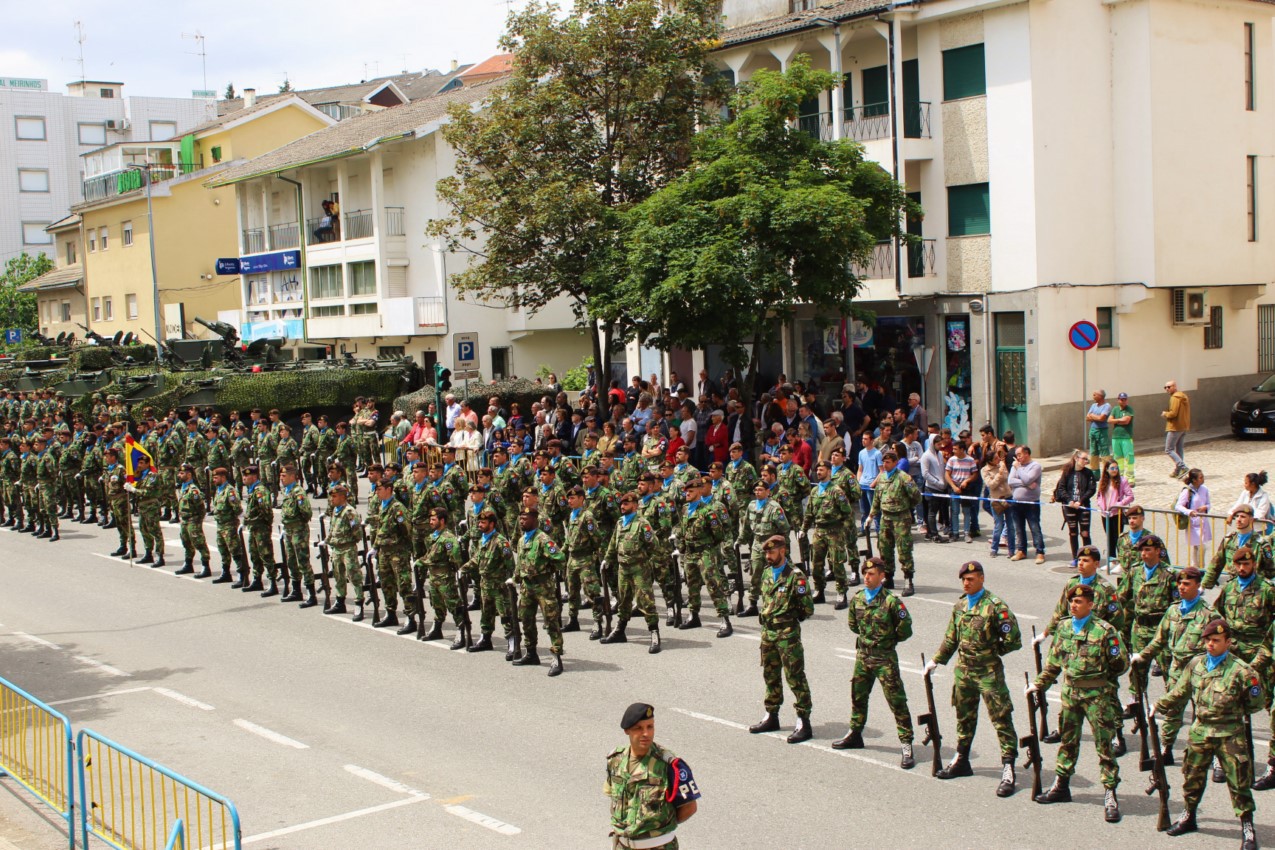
pixel 13 336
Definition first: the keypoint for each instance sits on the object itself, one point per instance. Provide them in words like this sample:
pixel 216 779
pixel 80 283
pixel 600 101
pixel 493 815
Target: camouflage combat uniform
pixel 1180 635
pixel 438 565
pixel 881 622
pixel 392 540
pixel 645 794
pixel 1144 601
pixel 784 603
pixel 585 539
pixel 226 509
pixel 1222 559
pixel 148 496
pixel 827 516
pixel 113 481
pixel 761 521
pixel 892 501
pixel 493 559
pixel 343 549
pixel 705 527
pixel 295 514
pixel 259 519
pixel 191 510
pixel 46 476
pixel 539 560
pixel 1250 611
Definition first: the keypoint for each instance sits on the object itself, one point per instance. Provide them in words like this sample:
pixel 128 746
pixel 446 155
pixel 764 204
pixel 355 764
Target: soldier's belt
pixel 643 843
pixel 876 651
pixel 1149 619
pixel 1097 682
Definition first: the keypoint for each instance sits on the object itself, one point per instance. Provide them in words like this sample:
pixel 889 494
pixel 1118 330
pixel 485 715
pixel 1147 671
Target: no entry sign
pixel 1083 336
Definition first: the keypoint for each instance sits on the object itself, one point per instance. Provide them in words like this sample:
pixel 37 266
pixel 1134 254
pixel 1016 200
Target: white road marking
pixel 482 820
pixel 38 640
pixel 100 696
pixel 105 668
pixel 183 699
pixel 366 624
pixel 357 813
pixel 850 655
pixel 270 735
pixel 383 781
pixel 710 718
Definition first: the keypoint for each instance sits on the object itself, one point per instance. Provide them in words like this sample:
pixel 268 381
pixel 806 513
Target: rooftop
pixel 844 10
pixel 415 86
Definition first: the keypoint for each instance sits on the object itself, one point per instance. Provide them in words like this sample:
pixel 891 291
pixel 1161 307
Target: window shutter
pixel 964 72
pixel 969 210
pixel 876 91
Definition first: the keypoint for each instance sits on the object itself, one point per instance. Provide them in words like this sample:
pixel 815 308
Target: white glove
pixel 1039 639
pixel 1030 689
pixel 322 544
pixel 1136 658
pixel 1152 711
pixel 371 553
pixel 132 488
pixel 930 667
pixel 509 581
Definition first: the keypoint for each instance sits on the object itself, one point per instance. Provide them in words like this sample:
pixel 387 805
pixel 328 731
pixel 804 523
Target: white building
pixel 1080 160
pixel 371 283
pixel 44 133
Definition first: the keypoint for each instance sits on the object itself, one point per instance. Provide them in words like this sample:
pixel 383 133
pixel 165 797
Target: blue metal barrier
pixel 177 838
pixel 36 749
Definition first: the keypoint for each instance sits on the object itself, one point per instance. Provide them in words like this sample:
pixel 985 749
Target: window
pixel 363 309
pixel 1213 332
pixel 33 180
pixel 876 91
pixel 499 364
pixel 106 93
pixel 964 74
pixel 326 312
pixel 362 279
pixel 216 153
pixel 126 233
pixel 108 312
pixel 30 129
pixel 101 238
pixel 44 312
pixel 97 309
pixel 390 351
pixel 1250 98
pixel 66 311
pixel 969 210
pixel 92 134
pixel 72 255
pixel 130 305
pixel 325 282
pixel 1266 338
pixel 795 6
pixel 1251 177
pixel 92 241
pixel 1106 327
pixel 33 233
pixel 162 131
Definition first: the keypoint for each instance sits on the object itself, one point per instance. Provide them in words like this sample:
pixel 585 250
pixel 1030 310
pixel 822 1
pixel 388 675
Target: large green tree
pixel 18 309
pixel 599 112
pixel 764 219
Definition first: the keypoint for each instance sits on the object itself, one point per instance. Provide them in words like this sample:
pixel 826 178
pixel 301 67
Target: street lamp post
pixel 145 168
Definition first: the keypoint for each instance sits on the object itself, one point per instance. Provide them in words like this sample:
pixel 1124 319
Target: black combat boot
pixel 337 606
pixel 727 629
pixel 691 623
pixel 390 619
pixel 225 577
pixel 408 627
pixel 852 741
pixel 529 658
pixel 358 615
pixel 1184 824
pixel 120 552
pixel 272 590
pixel 206 571
pixel 1118 744
pixel 1266 781
pixel 435 633
pixel 769 723
pixel 187 568
pixel 959 766
pixel 1053 737
pixel 477 604
pixel 148 558
pixel 751 610
pixel 618 633
pixel 1006 786
pixel 1248 835
pixel 889 581
pixel 672 619
pixel 132 551
pixel 241 580
pixel 907 760
pixel 483 644
pixel 853 580
pixel 255 585
pixel 573 624
pixel 801 732
pixel 92 515
pixel 555 666
pixel 843 602
pixel 908 588
pixel 310 601
pixel 654 648
pixel 1110 806
pixel 293 594
pixel 1059 792
pixel 596 634
pixel 819 598
pixel 55 536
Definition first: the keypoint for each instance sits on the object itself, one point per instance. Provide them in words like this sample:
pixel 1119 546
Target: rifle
pixel 463 621
pixel 1040 703
pixel 606 597
pixel 1248 738
pixel 677 588
pixel 1159 781
pixel 418 573
pixel 1133 711
pixel 322 546
pixel 930 720
pixel 738 577
pixel 1032 742
pixel 283 567
pixel 370 583
pixel 514 641
pixel 207 488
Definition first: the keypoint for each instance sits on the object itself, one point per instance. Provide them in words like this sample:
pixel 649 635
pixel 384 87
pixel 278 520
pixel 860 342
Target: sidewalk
pixel 1150 445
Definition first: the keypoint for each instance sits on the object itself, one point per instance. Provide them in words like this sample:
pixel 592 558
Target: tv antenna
pixel 80 38
pixel 375 66
pixel 198 37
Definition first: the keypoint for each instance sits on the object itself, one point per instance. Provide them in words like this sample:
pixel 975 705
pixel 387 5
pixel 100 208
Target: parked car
pixel 1254 413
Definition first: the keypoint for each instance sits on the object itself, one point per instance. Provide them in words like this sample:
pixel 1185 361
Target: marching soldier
pixel 705 527
pixel 539 560
pixel 826 519
pixel 1248 604
pixel 650 789
pixel 346 452
pixel 342 544
pixel 763 519
pixel 226 510
pixel 894 496
pixel 46 476
pixel 584 542
pixel 492 558
pixel 658 512
pixel 113 481
pixel 438 564
pixel 1244 535
pixel 881 622
pixel 259 519
pixel 146 489
pixel 191 510
pixel 849 484
pixel 1145 592
pixel 1089 651
pixel 391 544
pixel 785 603
pixel 1224 691
pixel 982 630
pixel 1129 544
pixel 794 486
pixel 630 550
pixel 295 514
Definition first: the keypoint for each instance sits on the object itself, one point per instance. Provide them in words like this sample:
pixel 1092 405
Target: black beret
pixel 969 567
pixel 1217 627
pixel 635 714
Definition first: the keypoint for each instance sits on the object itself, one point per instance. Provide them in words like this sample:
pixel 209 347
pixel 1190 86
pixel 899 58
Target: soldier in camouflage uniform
pixel 46 476
pixel 538 562
pixel 785 603
pixel 10 472
pixel 392 544
pixel 492 558
pixel 825 522
pixel 894 496
pixel 92 480
pixel 113 481
pixel 259 520
pixel 420 503
pixel 218 453
pixel 196 454
pixel 437 565
pixel 346 451
pixel 881 622
pixel 1180 635
pixel 146 493
pixel 226 510
pixel 794 487
pixel 849 484
pixel 191 510
pixel 705 527
pixel 1244 535
pixel 171 448
pixel 295 514
pixel 981 630
pixel 1129 543
pixel 629 553
pixel 70 473
pixel 267 449
pixel 241 454
pixel 659 512
pixel 325 449
pixel 287 452
pixel 585 539
pixel 1089 650
pixel 311 469
pixel 443 493
pixel 1145 591
pixel 553 502
pixel 342 542
pixel 650 789
pixel 1248 604
pixel 1224 691
pixel 764 518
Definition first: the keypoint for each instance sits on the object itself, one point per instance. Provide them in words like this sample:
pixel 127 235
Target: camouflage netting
pixel 88 358
pixel 520 391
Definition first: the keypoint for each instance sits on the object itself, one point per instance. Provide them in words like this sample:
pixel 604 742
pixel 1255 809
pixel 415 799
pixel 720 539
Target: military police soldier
pixel 1092 656
pixel 651 790
pixel 981 630
pixel 881 621
pixel 785 603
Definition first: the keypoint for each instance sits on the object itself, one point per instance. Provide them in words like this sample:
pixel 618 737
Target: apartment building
pixel 43 134
pixel 1086 160
pixel 367 280
pixel 61 305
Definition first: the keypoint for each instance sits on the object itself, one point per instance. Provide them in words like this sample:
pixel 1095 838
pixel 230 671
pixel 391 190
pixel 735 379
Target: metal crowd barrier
pixel 36 749
pixel 132 803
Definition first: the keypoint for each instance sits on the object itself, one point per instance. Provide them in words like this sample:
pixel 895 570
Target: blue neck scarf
pixel 627 519
pixel 385 503
pixel 1187 607
pixel 1088 582
pixel 526 537
pixel 1242 539
pixel 760 503
pixel 1078 625
pixel 823 486
pixel 776 572
pixel 575 512
pixel 871 593
pixel 1245 582
pixel 1148 573
pixel 488 536
pixel 973 599
pixel 1212 661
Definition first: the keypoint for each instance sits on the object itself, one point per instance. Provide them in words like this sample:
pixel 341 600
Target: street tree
pixel 18 309
pixel 765 218
pixel 598 112
pixel 230 91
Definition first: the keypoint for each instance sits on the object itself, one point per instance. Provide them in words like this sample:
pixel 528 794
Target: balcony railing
pixel 115 183
pixel 254 241
pixel 283 236
pixel 919 260
pixel 431 311
pixel 321 229
pixel 394 221
pixel 817 124
pixel 872 121
pixel 358 224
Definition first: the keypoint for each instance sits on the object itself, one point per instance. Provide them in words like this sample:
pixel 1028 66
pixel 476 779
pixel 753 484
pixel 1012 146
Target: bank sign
pixel 279 261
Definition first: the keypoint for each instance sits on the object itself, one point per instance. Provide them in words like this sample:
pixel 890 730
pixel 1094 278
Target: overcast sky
pixel 250 42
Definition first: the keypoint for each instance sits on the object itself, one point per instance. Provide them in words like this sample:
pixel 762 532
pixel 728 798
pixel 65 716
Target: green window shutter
pixel 876 91
pixel 911 100
pixel 969 210
pixel 188 154
pixel 847 95
pixel 964 72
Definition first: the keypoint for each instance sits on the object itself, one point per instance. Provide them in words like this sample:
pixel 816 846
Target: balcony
pixel 358 225
pixel 818 125
pixel 112 170
pixel 920 261
pixel 117 183
pixel 394 221
pixel 431 313
pixel 284 236
pixel 872 121
pixel 254 241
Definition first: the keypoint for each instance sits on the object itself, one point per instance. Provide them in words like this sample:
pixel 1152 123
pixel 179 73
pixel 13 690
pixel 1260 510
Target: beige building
pixel 1081 160
pixel 61 307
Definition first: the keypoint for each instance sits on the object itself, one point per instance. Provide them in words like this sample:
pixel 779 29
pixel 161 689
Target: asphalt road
pixel 330 734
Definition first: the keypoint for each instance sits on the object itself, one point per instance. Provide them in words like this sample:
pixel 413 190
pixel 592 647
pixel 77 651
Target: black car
pixel 1254 414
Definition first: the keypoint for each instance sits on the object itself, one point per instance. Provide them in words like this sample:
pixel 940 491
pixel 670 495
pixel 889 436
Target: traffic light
pixel 442 379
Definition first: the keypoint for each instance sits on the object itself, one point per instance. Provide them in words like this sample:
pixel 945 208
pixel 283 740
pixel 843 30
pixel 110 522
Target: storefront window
pixel 819 357
pixel 885 358
pixel 770 363
pixel 956 373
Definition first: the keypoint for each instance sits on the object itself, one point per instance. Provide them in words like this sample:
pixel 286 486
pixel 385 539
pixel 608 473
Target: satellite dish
pixel 61 340
pixel 115 340
pixel 128 338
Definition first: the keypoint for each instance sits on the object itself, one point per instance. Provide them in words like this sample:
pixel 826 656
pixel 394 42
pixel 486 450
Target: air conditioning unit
pixel 1191 307
pixel 119 125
